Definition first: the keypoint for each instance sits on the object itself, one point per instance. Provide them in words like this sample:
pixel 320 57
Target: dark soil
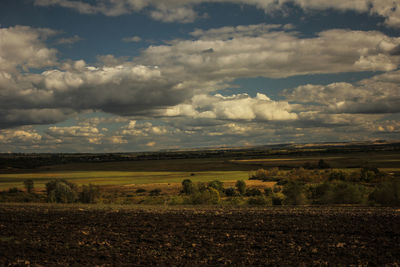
pixel 82 235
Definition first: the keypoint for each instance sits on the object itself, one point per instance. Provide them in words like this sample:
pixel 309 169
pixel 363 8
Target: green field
pixel 117 177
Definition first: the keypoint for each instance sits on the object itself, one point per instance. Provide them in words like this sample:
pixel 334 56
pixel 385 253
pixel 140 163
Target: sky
pixel 137 75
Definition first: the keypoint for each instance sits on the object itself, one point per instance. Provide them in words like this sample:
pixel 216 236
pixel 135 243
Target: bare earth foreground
pixel 119 236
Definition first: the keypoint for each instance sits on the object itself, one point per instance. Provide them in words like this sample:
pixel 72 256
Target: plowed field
pixel 44 235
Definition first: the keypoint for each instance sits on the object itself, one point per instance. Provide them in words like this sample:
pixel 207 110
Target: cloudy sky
pixel 139 75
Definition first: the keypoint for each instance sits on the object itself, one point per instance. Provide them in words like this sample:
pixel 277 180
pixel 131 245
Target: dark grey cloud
pixel 395 51
pixel 10 118
pixel 184 11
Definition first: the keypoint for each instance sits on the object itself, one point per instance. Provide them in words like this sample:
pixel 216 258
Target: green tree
pixel 295 193
pixel 367 174
pixel 387 193
pixel 340 192
pixel 188 187
pixel 89 194
pixel 28 183
pixel 61 191
pixel 241 186
pixel 216 184
pixel 208 196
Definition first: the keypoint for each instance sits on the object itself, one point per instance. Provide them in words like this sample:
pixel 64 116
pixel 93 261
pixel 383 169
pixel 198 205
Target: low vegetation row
pixel 365 187
pixel 322 173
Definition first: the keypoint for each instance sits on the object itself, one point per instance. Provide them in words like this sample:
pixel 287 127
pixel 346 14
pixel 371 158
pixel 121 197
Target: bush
pixel 140 190
pixel 61 191
pixel 155 192
pixel 235 201
pixel 188 187
pixel 28 183
pixel 342 193
pixel 317 192
pixel 176 200
pixel 276 189
pixel 387 193
pixel 208 196
pixel 308 165
pixel 217 185
pixel 16 195
pixel 153 200
pixel 267 191
pixel 367 174
pixel 253 192
pixel 277 199
pixel 201 187
pixel 259 201
pixel 323 165
pixel 337 175
pixel 295 193
pixel 89 194
pixel 282 182
pixel 14 190
pixel 259 174
pixel 241 187
pixel 230 192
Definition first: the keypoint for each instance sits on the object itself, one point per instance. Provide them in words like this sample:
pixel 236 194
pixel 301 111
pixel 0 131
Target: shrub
pixel 337 175
pixel 140 190
pixel 276 188
pixel 61 191
pixel 282 182
pixel 241 187
pixel 28 183
pixel 16 195
pixel 155 192
pixel 342 193
pixel 14 190
pixel 259 201
pixel 201 187
pixel 230 192
pixel 89 194
pixel 295 193
pixel 308 165
pixel 188 187
pixel 387 193
pixel 208 196
pixel 216 184
pixel 367 174
pixel 267 191
pixel 153 200
pixel 176 200
pixel 323 165
pixel 259 174
pixel 277 199
pixel 253 192
pixel 317 192
pixel 235 201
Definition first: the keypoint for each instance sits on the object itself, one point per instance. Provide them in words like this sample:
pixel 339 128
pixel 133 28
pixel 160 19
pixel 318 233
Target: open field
pixel 196 169
pixel 117 177
pixel 63 235
pixel 245 161
pixel 340 161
